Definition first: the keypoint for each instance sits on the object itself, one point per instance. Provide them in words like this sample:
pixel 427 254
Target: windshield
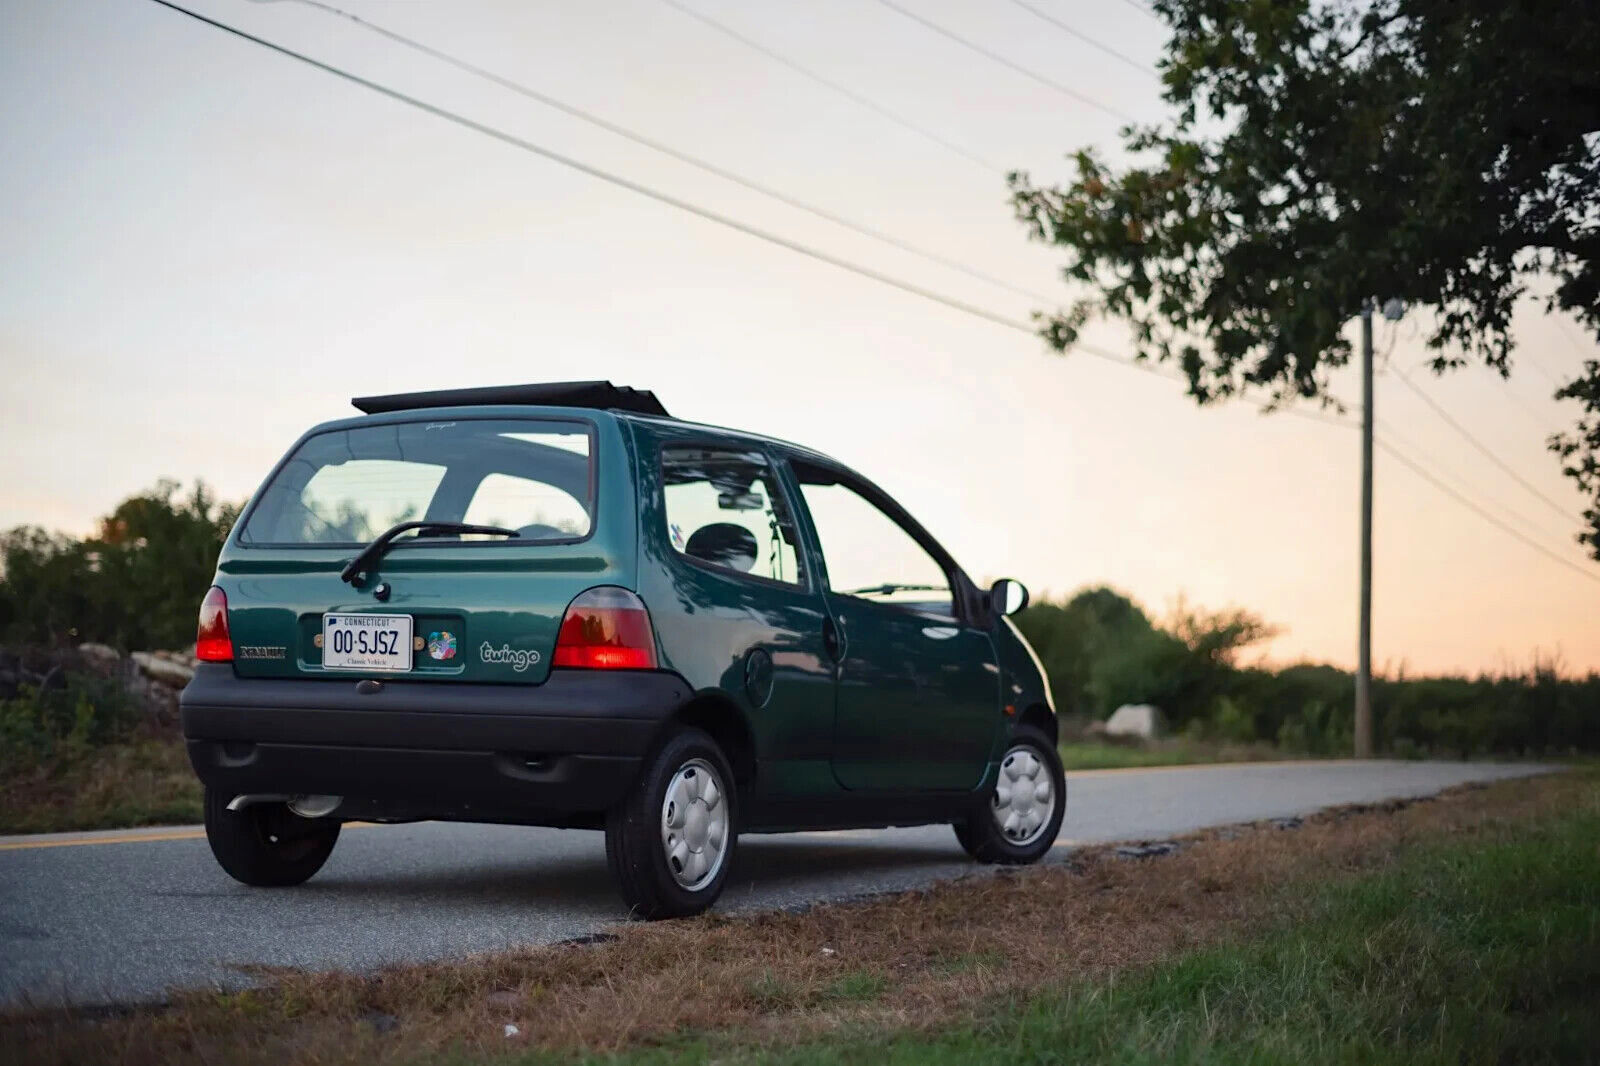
pixel 345 487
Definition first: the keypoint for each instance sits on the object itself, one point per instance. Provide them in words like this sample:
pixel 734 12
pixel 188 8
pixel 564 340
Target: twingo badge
pixel 516 658
pixel 442 645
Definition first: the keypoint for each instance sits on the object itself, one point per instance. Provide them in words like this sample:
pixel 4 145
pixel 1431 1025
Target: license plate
pixel 366 642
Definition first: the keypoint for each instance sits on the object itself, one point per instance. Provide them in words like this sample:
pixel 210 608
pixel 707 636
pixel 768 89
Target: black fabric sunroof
pixel 601 395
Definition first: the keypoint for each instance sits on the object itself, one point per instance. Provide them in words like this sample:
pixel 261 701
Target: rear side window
pixel 724 509
pixel 344 487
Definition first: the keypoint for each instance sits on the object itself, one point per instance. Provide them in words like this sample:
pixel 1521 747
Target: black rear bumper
pixel 541 754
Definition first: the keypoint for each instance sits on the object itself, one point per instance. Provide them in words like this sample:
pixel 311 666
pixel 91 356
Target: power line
pixel 1487 452
pixel 996 57
pixel 643 190
pixel 1143 68
pixel 1422 455
pixel 682 157
pixel 1437 482
pixel 1383 441
pixel 1400 457
pixel 1535 418
pixel 867 102
pixel 1566 331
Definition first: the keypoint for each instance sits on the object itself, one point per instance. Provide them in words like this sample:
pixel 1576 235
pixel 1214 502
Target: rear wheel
pixel 671 841
pixel 1016 821
pixel 266 844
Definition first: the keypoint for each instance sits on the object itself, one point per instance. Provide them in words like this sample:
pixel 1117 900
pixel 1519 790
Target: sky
pixel 208 248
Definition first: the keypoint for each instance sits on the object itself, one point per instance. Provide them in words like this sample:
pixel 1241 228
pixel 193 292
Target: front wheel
pixel 670 842
pixel 1016 821
pixel 266 844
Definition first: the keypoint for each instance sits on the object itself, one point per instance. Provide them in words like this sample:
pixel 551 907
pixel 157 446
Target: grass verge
pixel 1173 751
pixel 145 781
pixel 1467 951
pixel 1458 929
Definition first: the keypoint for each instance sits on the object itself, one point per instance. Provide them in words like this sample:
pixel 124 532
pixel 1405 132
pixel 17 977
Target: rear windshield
pixel 344 487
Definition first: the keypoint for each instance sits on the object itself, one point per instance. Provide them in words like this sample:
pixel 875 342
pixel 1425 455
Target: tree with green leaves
pixel 1101 650
pixel 1445 153
pixel 135 584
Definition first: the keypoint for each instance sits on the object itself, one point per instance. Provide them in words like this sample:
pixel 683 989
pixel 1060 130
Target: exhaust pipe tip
pixel 315 806
pixel 304 806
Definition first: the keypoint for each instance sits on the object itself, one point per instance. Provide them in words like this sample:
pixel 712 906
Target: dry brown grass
pixel 912 960
pixel 146 780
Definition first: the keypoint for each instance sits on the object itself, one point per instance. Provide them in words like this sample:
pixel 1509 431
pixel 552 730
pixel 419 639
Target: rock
pixel 182 658
pixel 380 1022
pixel 162 670
pixel 1136 720
pixel 1147 851
pixel 101 656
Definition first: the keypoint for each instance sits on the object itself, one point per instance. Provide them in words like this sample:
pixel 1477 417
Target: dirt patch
pixel 912 960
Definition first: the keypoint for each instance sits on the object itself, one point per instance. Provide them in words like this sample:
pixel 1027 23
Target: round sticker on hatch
pixel 442 645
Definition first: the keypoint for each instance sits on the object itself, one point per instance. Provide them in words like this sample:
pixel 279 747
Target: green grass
pixel 1176 751
pixel 1469 953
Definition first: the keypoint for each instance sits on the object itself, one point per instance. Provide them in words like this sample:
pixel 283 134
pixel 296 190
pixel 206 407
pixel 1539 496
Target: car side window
pixel 724 509
pixel 868 554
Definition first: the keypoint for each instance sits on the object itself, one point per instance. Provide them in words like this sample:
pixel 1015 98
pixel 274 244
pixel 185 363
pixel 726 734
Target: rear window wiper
pixel 380 544
pixel 889 589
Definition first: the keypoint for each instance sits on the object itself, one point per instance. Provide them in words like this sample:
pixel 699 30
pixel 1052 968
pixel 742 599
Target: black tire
pixel 266 844
pixel 978 832
pixel 635 847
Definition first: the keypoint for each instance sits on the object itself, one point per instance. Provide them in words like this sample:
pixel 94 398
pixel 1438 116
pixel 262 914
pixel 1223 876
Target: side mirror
pixel 1008 596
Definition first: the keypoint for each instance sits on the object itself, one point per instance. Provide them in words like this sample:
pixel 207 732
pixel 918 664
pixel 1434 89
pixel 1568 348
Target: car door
pixel 917 696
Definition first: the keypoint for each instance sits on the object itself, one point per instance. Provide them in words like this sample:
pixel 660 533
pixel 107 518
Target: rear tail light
pixel 212 643
pixel 606 628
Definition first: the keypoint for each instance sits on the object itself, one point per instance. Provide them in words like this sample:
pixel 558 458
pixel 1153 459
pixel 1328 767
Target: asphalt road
pixel 117 917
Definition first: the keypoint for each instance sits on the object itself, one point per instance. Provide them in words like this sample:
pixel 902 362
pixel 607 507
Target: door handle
pixel 832 640
pixel 939 632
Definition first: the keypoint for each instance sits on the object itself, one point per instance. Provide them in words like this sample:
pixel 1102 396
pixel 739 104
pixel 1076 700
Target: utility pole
pixel 1363 725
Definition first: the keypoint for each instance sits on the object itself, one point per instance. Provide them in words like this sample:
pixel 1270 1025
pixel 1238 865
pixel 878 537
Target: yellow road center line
pixel 133 838
pixel 156 836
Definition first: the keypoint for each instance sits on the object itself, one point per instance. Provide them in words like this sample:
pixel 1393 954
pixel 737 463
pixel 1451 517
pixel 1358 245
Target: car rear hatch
pixel 433 604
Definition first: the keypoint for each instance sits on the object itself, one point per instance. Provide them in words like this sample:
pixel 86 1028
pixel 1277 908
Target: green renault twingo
pixel 556 605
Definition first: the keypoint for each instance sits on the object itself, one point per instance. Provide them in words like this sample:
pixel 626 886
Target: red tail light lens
pixel 606 628
pixel 212 644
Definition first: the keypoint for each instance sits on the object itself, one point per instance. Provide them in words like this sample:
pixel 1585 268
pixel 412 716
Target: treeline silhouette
pixel 1102 650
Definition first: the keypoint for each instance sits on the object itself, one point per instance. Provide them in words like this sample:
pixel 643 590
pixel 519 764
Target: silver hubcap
pixel 1024 797
pixel 694 824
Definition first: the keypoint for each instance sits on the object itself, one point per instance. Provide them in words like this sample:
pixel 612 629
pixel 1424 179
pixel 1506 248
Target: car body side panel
pixel 1023 679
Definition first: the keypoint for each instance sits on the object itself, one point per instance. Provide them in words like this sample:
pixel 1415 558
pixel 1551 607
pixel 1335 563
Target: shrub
pixel 63 720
